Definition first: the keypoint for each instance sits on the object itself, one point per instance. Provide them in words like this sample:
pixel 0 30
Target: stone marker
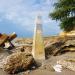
pixel 38 45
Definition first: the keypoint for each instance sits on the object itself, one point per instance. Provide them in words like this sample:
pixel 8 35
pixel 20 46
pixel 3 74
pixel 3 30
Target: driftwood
pixel 5 40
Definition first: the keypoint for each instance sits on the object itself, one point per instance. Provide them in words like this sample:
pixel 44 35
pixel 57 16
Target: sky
pixel 19 16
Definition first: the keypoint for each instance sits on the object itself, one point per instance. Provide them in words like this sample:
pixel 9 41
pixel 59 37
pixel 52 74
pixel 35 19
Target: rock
pixel 70 42
pixel 60 46
pixel 47 65
pixel 67 64
pixel 24 73
pixel 3 55
pixel 57 68
pixel 26 49
pixel 71 33
pixel 18 62
pixel 54 48
pixel 24 41
pixel 1 49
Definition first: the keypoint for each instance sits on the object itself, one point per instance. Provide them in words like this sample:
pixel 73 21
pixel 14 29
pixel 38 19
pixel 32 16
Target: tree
pixel 64 12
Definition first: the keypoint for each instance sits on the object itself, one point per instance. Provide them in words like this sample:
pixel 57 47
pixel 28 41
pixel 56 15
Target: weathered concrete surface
pixel 38 47
pixel 38 44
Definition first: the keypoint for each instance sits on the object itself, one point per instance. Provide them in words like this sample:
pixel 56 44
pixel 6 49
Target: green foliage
pixel 68 24
pixel 65 13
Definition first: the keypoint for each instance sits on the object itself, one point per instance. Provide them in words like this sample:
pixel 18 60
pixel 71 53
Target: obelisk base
pixel 38 47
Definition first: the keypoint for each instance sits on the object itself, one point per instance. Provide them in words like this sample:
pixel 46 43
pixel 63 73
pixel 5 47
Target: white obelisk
pixel 38 44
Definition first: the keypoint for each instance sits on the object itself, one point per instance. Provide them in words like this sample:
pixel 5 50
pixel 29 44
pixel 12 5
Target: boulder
pixel 70 42
pixel 62 45
pixel 18 62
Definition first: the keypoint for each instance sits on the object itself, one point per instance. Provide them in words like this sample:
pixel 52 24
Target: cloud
pixel 23 12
